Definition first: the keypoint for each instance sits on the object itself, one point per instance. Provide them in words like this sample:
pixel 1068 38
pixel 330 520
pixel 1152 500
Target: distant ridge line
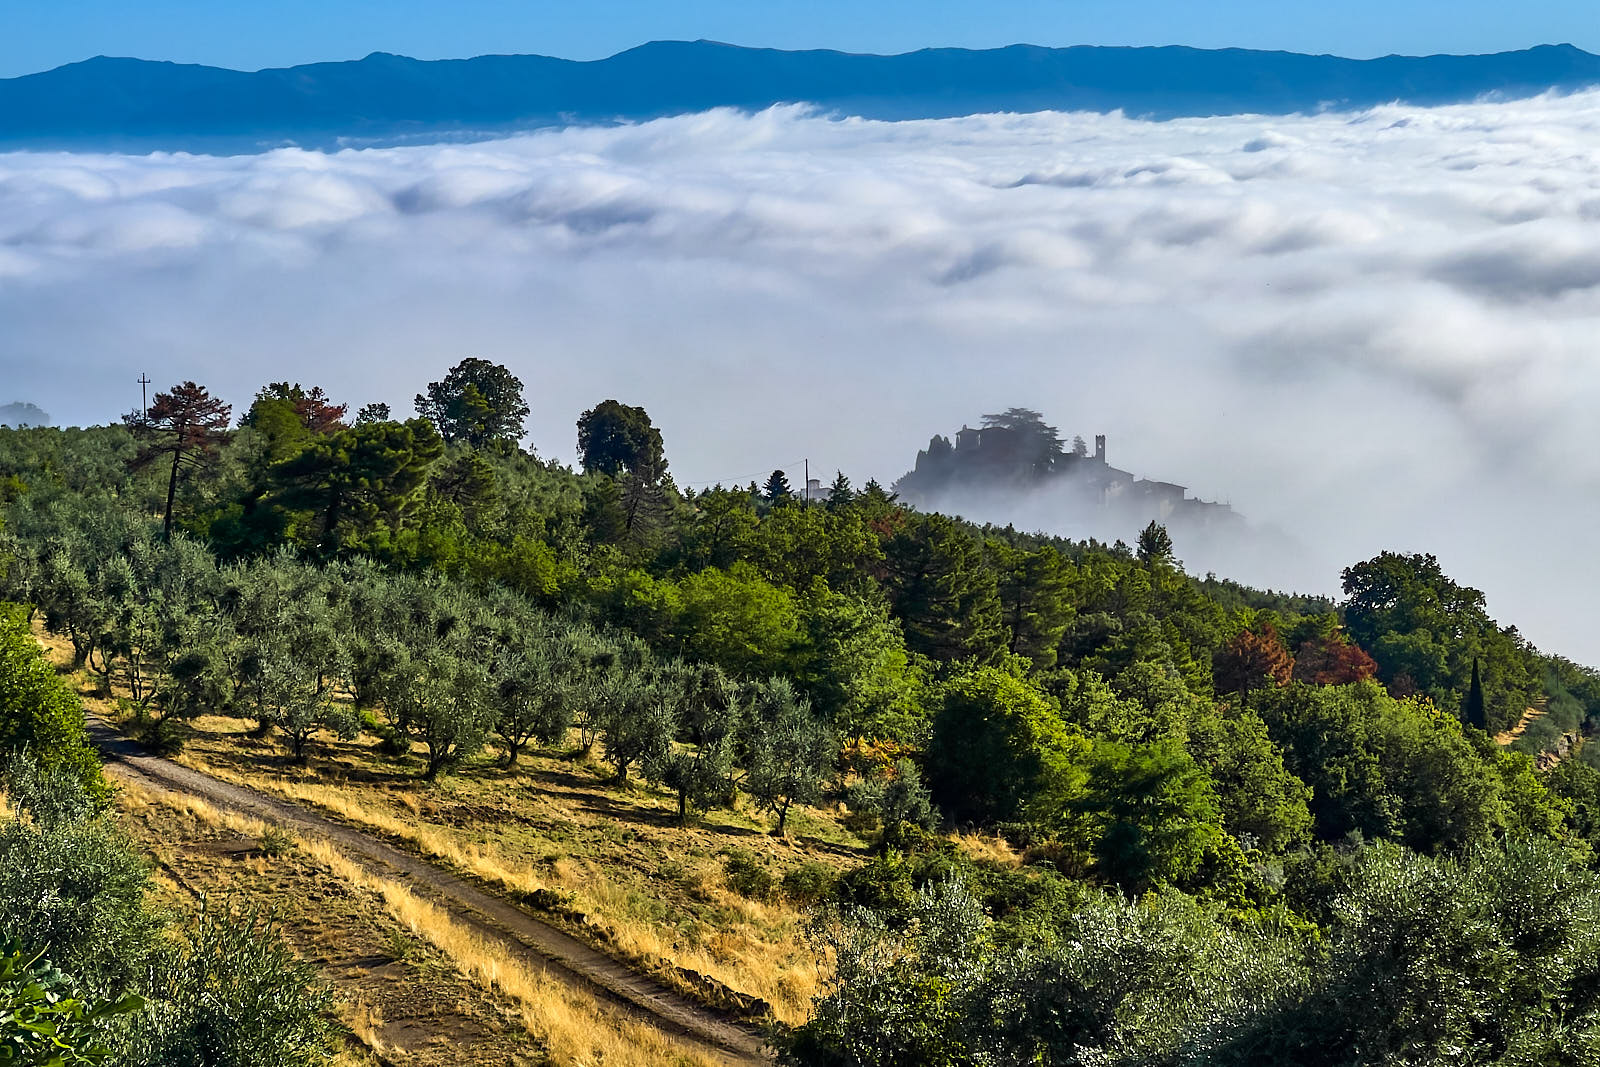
pixel 116 103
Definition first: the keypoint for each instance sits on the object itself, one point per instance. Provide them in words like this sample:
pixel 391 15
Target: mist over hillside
pixel 1371 331
pixel 1015 469
pixel 132 104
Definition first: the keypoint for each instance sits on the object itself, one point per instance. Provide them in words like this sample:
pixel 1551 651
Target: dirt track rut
pixel 614 984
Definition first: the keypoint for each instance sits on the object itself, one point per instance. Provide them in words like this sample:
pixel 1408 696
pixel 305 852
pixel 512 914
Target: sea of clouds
pixel 1368 331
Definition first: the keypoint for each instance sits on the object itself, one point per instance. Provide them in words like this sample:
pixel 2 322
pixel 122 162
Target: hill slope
pixel 105 102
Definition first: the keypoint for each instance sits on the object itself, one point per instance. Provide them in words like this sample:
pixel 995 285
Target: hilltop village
pixel 1016 451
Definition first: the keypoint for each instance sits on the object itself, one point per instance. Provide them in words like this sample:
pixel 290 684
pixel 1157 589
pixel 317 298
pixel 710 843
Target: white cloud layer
pixel 1371 331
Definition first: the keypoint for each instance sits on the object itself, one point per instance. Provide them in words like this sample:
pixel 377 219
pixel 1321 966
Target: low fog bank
pixel 1364 332
pixel 1272 557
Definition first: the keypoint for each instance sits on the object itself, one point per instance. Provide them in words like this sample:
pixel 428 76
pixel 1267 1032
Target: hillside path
pixel 1505 737
pixel 612 983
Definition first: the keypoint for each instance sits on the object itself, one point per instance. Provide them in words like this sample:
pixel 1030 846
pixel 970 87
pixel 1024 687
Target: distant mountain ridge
pixel 122 103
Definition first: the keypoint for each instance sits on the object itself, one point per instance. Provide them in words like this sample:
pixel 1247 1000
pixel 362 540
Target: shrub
pixel 38 712
pixel 163 737
pixel 273 1011
pixel 748 877
pixel 807 883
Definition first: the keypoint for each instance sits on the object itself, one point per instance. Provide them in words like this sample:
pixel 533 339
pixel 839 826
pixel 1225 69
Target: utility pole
pixel 144 395
pixel 808 481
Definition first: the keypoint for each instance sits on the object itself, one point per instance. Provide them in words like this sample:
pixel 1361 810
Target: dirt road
pixel 612 983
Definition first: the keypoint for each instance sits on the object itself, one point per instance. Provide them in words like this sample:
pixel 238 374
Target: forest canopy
pixel 1250 823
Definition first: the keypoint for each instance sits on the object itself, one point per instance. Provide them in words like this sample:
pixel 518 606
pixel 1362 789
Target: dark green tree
pixel 777 490
pixel 1000 751
pixel 943 594
pixel 1153 813
pixel 840 493
pixel 614 437
pixel 1155 544
pixel 374 412
pixel 477 402
pixel 1473 713
pixel 359 487
pixel 1035 597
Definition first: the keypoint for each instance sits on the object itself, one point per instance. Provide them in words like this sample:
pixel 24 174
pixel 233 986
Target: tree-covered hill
pixel 1256 827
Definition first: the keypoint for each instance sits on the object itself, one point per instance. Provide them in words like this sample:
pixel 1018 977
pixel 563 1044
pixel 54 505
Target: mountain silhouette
pixel 133 103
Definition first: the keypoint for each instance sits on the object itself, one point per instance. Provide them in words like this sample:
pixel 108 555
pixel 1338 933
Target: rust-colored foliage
pixel 315 409
pixel 1332 661
pixel 1252 661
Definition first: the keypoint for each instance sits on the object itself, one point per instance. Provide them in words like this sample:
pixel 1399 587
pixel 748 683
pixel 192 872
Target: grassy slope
pixel 638 883
pixel 649 888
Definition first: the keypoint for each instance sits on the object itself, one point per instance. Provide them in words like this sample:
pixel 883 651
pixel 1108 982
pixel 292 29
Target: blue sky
pixel 39 34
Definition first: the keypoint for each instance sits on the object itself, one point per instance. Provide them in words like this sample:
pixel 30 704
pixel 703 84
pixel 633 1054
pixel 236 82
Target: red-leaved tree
pixel 1332 661
pixel 315 409
pixel 1251 661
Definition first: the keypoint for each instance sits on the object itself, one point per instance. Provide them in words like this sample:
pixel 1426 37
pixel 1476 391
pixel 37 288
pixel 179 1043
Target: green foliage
pixel 1155 544
pixel 1262 804
pixel 1425 632
pixel 72 887
pixel 894 796
pixel 737 620
pixel 947 601
pixel 1486 959
pixel 709 719
pixel 37 711
pixel 357 489
pixel 613 438
pixel 273 1013
pixel 1128 726
pixel 45 1022
pixel 788 750
pixel 1384 768
pixel 808 883
pixel 1150 811
pixel 1035 590
pixel 856 670
pixel 999 750
pixel 748 876
pixel 477 402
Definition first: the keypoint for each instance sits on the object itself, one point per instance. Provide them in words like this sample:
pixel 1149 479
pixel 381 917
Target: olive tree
pixel 789 751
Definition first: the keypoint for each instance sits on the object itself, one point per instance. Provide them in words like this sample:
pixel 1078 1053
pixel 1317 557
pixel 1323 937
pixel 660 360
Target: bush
pixel 162 737
pixel 276 841
pixel 748 877
pixel 38 712
pixel 273 1011
pixel 807 883
pixel 75 889
pixel 49 797
pixel 46 1020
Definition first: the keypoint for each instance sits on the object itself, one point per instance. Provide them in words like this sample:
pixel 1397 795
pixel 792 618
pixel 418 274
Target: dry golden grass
pixel 987 847
pixel 575 1030
pixel 572 1026
pixel 755 953
pixel 755 948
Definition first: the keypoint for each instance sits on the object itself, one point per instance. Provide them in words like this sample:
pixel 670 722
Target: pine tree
pixel 1155 544
pixel 777 489
pixel 840 493
pixel 187 424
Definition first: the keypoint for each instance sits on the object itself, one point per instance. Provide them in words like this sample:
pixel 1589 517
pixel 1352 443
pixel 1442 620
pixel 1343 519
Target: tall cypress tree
pixel 1473 712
